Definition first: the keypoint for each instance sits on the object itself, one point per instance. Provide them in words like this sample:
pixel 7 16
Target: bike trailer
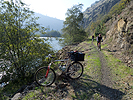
pixel 76 56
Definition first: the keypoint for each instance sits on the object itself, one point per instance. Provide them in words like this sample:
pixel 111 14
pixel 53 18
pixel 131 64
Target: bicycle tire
pixel 100 47
pixel 75 70
pixel 40 76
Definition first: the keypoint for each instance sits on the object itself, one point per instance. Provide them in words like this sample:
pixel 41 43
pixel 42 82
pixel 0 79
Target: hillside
pixel 119 37
pixel 100 7
pixel 117 27
pixel 49 22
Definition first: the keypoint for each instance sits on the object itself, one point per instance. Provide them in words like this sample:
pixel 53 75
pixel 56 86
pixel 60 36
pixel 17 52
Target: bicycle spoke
pixel 75 70
pixel 42 80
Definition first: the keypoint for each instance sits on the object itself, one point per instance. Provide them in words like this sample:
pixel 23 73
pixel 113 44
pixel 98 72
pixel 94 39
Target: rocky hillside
pixel 119 27
pixel 120 35
pixel 101 7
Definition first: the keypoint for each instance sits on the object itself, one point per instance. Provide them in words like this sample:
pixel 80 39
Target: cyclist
pixel 99 39
pixel 92 37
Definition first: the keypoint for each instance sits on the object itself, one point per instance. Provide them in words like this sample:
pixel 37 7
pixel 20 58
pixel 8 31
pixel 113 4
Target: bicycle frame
pixel 52 62
pixel 99 45
pixel 63 60
pixel 47 71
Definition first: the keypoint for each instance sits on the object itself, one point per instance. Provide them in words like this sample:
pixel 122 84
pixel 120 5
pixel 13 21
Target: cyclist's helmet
pixel 99 34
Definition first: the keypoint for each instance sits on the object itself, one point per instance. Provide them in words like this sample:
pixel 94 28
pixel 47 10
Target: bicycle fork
pixel 47 70
pixel 99 46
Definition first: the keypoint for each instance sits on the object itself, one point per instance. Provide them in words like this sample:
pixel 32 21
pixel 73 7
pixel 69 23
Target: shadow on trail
pixel 113 50
pixel 85 89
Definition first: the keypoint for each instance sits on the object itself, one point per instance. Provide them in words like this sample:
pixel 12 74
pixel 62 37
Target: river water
pixel 54 43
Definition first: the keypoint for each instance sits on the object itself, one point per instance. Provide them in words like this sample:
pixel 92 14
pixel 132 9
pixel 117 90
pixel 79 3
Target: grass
pixel 97 96
pixel 37 94
pixel 117 66
pixel 92 70
pixel 84 96
pixel 73 96
pixel 103 46
pixel 29 96
pixel 2 97
pixel 94 64
pixel 89 41
pixel 121 75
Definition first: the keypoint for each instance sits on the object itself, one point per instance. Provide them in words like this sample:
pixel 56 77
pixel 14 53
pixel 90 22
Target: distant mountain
pixel 49 22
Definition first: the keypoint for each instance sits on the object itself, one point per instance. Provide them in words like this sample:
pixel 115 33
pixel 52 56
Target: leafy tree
pixel 21 51
pixel 100 28
pixel 73 31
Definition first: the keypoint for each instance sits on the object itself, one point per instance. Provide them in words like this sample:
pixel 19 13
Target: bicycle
pixel 99 46
pixel 45 76
pixel 92 39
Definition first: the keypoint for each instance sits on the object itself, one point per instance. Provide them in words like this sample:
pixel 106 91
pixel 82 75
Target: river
pixel 54 43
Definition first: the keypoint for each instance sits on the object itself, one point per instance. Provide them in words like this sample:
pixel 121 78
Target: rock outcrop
pixel 100 7
pixel 120 35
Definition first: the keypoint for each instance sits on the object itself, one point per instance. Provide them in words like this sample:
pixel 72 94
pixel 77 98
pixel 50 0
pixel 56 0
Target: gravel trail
pixel 106 88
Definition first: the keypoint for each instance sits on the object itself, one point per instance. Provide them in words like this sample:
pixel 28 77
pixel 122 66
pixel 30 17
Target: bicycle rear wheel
pixel 75 70
pixel 99 47
pixel 42 80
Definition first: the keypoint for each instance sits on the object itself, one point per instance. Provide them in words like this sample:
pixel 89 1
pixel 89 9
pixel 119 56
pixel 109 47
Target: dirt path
pixel 106 89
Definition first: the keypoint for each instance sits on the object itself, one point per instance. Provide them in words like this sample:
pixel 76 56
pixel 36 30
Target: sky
pixel 56 8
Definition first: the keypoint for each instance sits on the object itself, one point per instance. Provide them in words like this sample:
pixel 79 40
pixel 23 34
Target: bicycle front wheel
pixel 99 47
pixel 42 80
pixel 75 70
